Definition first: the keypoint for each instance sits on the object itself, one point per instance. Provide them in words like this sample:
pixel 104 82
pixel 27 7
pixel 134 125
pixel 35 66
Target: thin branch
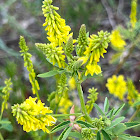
pixel 109 13
pixel 132 46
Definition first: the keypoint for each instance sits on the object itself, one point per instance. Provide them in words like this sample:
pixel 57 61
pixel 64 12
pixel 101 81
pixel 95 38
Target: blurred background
pixel 24 17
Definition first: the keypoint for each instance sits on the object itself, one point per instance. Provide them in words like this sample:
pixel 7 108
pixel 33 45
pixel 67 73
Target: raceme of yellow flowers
pixel 117 41
pixel 88 49
pixel 6 90
pixel 28 63
pixel 117 86
pixel 58 31
pixel 33 115
pixel 133 94
pixel 133 13
pixel 96 49
pixel 54 54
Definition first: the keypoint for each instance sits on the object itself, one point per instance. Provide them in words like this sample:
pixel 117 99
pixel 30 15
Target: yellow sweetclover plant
pixel 33 115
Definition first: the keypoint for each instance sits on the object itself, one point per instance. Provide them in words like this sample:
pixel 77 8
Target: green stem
pixel 134 115
pixel 1 137
pixel 50 136
pixel 81 96
pixel 37 96
pixel 1 115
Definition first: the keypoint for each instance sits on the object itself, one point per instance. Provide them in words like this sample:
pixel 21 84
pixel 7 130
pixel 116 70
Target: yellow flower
pixel 117 86
pixel 117 41
pixel 133 13
pixel 58 31
pixel 32 115
pixel 64 105
pixel 93 68
pixel 84 59
pixel 133 94
pixel 72 83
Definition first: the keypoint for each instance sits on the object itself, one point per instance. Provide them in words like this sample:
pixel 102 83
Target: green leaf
pixel 60 126
pixel 5 124
pixel 65 133
pixel 98 136
pixel 136 104
pixel 106 105
pixel 131 124
pixel 52 63
pixel 117 111
pixel 84 123
pixel 50 73
pixel 76 135
pixel 99 110
pixel 110 113
pixel 117 121
pixel 106 136
pixel 8 50
pixel 1 88
pixel 61 136
pixel 116 130
pixel 128 137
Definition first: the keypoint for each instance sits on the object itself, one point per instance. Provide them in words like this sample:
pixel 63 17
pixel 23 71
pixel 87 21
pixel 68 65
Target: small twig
pixel 134 115
pixel 120 14
pixel 120 7
pixel 132 46
pixel 109 13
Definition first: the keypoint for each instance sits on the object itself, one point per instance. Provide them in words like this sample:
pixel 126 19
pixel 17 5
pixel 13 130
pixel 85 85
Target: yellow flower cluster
pixel 133 94
pixel 133 13
pixel 72 83
pixel 32 115
pixel 117 41
pixel 97 45
pixel 64 105
pixel 6 90
pixel 58 31
pixel 54 54
pixel 117 86
pixel 28 63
